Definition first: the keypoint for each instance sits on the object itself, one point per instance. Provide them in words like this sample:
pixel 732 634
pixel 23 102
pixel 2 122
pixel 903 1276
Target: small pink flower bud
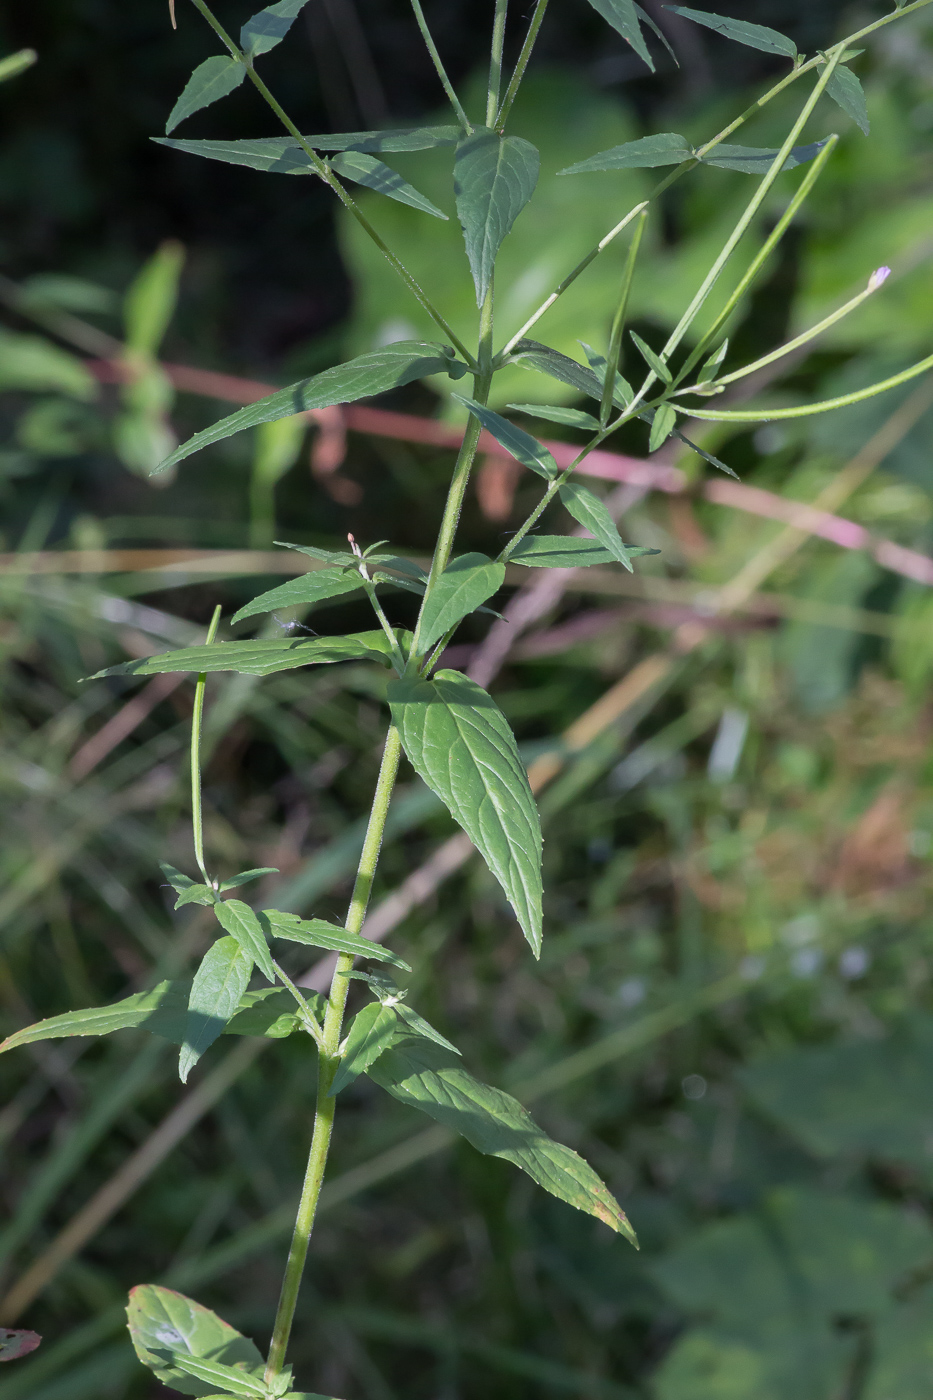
pixel 880 274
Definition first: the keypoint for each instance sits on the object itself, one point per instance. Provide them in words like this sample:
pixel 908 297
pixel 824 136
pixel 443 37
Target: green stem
pixel 495 60
pixel 327 175
pixel 568 280
pixel 537 19
pixel 328 1061
pixel 741 228
pixel 196 721
pixel 465 459
pixel 814 171
pixel 618 325
pixel 438 64
pixel 767 415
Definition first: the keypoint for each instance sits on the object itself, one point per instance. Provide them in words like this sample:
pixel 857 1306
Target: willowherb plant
pixel 449 728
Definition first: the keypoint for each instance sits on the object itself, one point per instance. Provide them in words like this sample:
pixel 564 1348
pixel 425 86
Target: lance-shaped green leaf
pixel 269 27
pixel 593 516
pixel 245 876
pixel 662 425
pixel 754 36
pixel 523 447
pixel 530 354
pixel 756 160
pixel 312 587
pixel 428 1077
pixel 460 743
pixel 417 1025
pixel 559 552
pixel 494 178
pixel 282 155
pixel 165 1327
pixel 373 373
pixel 376 175
pixel 16 1342
pixel 461 588
pixel 847 92
pixel 623 16
pixel 210 81
pixel 188 891
pixel 318 933
pixel 404 138
pixel 161 1011
pixel 556 413
pixel 372 1030
pixel 653 360
pixel 215 1373
pixel 258 658
pixel 271 1011
pixel 707 456
pixel 664 148
pixel 218 985
pixel 237 919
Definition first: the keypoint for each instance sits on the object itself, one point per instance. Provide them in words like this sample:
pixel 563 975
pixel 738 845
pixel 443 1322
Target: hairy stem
pixel 495 60
pixel 465 459
pixel 462 117
pixel 328 1059
pixel 537 19
pixel 196 720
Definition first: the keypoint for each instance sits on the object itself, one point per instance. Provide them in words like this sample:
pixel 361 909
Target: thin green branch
pixel 537 19
pixel 196 721
pixel 742 226
pixel 814 170
pixel 328 1060
pixel 568 281
pixel 495 61
pixel 618 325
pixel 768 415
pixel 323 169
pixel 462 117
pixel 307 1019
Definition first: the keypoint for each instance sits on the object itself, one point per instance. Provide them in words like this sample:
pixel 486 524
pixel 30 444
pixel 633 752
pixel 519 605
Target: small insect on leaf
pixel 16 1342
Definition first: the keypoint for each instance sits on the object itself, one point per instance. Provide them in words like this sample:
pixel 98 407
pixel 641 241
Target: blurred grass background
pixel 732 1015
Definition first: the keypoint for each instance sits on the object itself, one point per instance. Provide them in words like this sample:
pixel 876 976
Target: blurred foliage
pixel 738 878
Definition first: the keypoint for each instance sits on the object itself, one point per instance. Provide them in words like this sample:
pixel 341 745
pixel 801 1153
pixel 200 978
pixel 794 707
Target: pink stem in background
pixel 608 466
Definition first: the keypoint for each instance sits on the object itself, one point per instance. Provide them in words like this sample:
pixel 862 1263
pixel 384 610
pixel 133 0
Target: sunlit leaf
pixel 237 919
pixel 460 743
pixel 312 587
pixel 662 426
pixel 754 36
pixel 530 354
pixel 653 360
pixel 593 516
pixel 258 658
pixel 246 875
pixel 373 373
pixel 372 1030
pixel 494 178
pixel 559 552
pixel 210 81
pixel 463 586
pixel 376 175
pixel 317 933
pixel 427 1077
pixel 523 447
pixel 623 16
pixel 214 1373
pixel 165 1326
pixel 161 1010
pixel 218 985
pixel 272 1012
